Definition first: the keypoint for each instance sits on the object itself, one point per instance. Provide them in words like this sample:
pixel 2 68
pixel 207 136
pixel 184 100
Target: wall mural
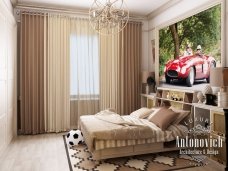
pixel 189 48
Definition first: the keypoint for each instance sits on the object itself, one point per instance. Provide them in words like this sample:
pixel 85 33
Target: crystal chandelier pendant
pixel 108 16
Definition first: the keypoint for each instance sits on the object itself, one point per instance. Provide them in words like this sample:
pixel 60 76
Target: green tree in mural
pixel 201 29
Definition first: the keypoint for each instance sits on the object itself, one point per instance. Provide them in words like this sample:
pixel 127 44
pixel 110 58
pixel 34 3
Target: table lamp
pixel 219 78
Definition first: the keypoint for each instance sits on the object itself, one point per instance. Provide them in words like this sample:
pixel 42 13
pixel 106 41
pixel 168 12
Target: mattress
pixel 161 136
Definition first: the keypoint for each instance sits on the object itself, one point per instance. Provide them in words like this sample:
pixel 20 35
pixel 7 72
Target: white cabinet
pixel 213 118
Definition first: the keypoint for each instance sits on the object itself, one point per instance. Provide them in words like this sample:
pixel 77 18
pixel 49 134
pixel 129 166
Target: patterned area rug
pixel 80 159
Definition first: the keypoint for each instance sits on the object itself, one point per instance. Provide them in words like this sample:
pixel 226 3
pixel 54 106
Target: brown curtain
pixel 120 69
pixel 32 82
pixel 130 54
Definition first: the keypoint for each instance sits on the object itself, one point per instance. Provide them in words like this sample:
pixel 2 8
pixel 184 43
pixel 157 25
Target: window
pixel 84 63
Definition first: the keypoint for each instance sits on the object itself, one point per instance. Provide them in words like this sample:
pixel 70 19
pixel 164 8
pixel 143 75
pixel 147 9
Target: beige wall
pixel 7 74
pixel 176 12
pixel 145 33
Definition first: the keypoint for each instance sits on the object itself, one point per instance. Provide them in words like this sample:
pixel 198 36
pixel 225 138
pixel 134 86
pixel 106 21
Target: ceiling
pixel 136 7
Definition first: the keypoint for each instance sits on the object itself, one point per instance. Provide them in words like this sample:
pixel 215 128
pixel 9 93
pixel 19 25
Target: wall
pixel 8 80
pixel 179 11
pixel 226 28
pixel 145 34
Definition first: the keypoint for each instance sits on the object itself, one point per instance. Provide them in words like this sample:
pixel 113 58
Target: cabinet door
pixel 202 117
pixel 218 123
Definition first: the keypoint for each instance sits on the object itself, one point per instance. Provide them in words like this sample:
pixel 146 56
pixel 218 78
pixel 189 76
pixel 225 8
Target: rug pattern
pixel 80 159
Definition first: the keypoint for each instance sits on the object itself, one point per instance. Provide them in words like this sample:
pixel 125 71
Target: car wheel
pixel 191 77
pixel 213 65
pixel 167 79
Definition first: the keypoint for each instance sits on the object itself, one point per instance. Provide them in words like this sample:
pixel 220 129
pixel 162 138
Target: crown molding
pixel 164 7
pixel 14 2
pixel 7 9
pixel 68 11
pixel 30 7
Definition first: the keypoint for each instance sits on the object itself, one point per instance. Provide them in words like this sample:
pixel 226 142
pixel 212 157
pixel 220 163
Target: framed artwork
pixel 188 49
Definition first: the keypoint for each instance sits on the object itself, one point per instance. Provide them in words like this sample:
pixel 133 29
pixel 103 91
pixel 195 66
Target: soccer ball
pixel 74 137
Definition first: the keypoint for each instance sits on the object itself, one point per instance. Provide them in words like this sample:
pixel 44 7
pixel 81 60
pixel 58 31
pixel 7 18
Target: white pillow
pixel 181 116
pixel 141 113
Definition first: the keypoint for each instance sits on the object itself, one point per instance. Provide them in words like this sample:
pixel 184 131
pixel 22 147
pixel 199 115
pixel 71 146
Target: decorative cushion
pixel 154 111
pixel 142 113
pixel 163 118
pixel 181 116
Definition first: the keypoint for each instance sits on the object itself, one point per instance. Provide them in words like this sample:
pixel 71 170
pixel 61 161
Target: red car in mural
pixel 189 68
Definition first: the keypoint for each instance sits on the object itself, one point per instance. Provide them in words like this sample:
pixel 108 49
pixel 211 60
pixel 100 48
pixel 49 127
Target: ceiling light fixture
pixel 108 16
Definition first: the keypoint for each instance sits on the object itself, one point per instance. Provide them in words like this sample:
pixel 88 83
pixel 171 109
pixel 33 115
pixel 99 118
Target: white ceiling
pixel 136 7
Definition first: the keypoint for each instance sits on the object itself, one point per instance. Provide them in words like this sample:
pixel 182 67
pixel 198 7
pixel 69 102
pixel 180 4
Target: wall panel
pixel 8 79
pixel 2 132
pixel 3 97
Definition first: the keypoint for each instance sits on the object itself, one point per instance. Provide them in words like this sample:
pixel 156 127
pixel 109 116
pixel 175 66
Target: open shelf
pixel 181 99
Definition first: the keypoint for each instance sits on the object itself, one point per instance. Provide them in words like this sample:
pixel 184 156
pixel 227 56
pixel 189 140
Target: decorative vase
pixel 200 97
pixel 210 99
pixel 207 90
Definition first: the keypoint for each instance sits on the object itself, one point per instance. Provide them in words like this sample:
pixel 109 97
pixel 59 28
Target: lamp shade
pixel 145 75
pixel 219 77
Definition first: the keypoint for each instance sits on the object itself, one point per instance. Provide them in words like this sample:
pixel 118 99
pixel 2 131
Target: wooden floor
pixel 47 153
pixel 35 153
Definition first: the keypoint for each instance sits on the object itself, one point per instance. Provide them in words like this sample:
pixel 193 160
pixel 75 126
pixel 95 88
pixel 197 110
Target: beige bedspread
pixel 111 126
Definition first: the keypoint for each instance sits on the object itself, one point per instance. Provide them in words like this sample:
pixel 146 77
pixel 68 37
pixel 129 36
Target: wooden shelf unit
pixel 163 97
pixel 181 99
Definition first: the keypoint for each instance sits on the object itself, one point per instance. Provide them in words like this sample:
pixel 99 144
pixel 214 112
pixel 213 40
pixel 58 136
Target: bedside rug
pixel 80 159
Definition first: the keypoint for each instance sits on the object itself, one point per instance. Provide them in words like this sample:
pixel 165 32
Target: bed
pixel 109 135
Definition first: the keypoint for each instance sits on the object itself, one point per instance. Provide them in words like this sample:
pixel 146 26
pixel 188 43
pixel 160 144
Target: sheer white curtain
pixel 58 77
pixel 84 64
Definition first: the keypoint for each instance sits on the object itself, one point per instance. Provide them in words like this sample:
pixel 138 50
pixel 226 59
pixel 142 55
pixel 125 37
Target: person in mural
pixel 199 50
pixel 188 50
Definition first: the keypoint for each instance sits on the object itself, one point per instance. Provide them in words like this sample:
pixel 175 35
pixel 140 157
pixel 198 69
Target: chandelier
pixel 109 17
